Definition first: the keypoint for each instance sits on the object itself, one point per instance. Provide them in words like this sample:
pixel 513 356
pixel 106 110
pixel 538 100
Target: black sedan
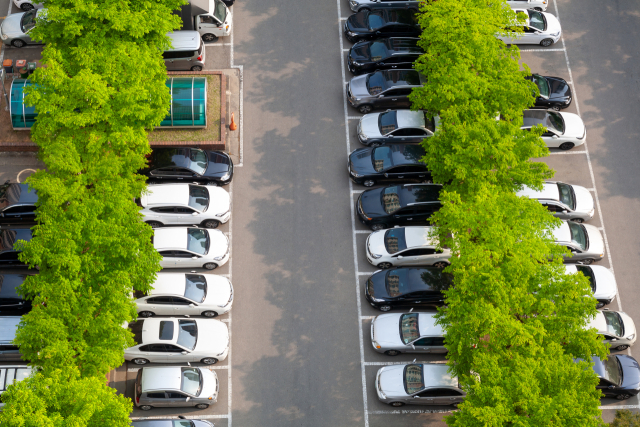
pixel 182 164
pixel 12 303
pixel 375 24
pixel 388 163
pixel 401 288
pixel 384 54
pixel 17 204
pixel 408 204
pixel 554 92
pixel 619 376
pixel 8 237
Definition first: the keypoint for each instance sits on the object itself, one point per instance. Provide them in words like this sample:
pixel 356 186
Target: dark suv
pixel 183 164
pixel 17 204
pixel 383 89
pixel 8 255
pixel 407 204
pixel 388 163
pixel 376 24
pixel 383 54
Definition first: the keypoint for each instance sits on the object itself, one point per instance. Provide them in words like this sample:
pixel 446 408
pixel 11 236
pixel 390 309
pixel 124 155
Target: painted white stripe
pixel 356 191
pixel 189 417
pixel 564 153
pixel 241 124
pixel 363 377
pixel 591 189
pixel 224 320
pixel 412 411
pixel 367 317
pixel 593 179
pixel 218 44
pixel 342 19
pixel 543 50
pixel 362 273
pixel 401 363
pixel 620 407
pixel 362 231
pixel 228 367
pixel 354 117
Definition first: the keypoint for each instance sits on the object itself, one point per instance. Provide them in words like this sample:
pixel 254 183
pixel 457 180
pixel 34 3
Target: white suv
pixel 183 247
pixel 185 204
pixel 403 246
pixel 539 28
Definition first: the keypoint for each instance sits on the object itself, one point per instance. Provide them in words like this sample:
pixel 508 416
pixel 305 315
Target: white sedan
pixel 564 201
pixel 564 130
pixel 404 246
pixel 187 294
pixel 26 5
pixel 539 28
pixel 178 341
pixel 183 247
pixel 185 204
pixel 539 5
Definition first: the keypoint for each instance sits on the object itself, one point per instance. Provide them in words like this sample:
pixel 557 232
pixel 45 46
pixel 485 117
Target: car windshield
pixel 387 122
pixel 220 11
pixel 578 235
pixel 413 381
pixel 198 241
pixel 191 381
pixel 555 121
pixel 198 198
pixel 536 20
pixel 375 21
pixel 390 199
pixel 394 240
pixel 614 323
pixel 397 282
pixel 187 334
pixel 195 287
pixel 612 370
pixel 198 159
pixel 543 85
pixel 409 327
pixel 28 20
pixel 382 158
pixel 377 51
pixel 376 83
pixel 429 122
pixel 588 273
pixel 566 195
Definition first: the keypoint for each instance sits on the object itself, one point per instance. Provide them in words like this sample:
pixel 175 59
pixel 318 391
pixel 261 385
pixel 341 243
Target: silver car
pixel 418 384
pixel 583 241
pixel 564 201
pixel 357 5
pixel 396 333
pixel 383 89
pixel 175 386
pixel 396 127
pixel 616 327
pixel 14 30
pixel 185 204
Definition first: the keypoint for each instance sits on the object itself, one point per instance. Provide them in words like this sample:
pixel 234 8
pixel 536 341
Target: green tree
pixel 626 418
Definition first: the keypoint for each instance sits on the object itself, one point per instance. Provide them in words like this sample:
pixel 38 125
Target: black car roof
pixel 17 194
pixel 171 156
pixel 9 284
pixel 403 154
pixel 399 16
pixel 426 279
pixel 418 193
pixel 8 237
pixel 403 45
pixel 401 77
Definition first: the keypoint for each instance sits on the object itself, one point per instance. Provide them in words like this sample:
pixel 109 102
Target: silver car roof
pixel 8 327
pixel 437 375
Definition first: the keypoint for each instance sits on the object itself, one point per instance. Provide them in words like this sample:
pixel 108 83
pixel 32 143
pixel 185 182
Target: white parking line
pixel 356 191
pixel 620 407
pixel 218 44
pixel 353 227
pixel 229 390
pixel 362 231
pixel 564 153
pixel 542 50
pixel 367 317
pixel 354 117
pixel 412 411
pixel 241 120
pixel 189 417
pixel 441 362
pixel 362 273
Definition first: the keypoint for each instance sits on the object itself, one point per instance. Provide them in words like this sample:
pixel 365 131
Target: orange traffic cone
pixel 233 125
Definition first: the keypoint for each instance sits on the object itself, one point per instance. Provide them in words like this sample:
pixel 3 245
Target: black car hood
pixel 219 164
pixel 379 285
pixel 360 51
pixel 372 203
pixel 358 21
pixel 630 372
pixel 559 89
pixel 361 162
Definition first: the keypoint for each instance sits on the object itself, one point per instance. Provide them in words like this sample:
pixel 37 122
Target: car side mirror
pixel 564 211
pixel 415 397
pixel 413 346
pixel 386 175
pixel 381 95
pixel 555 137
pixel 195 213
pixel 613 339
pixel 194 257
pixel 400 257
pixel 611 387
pixel 192 305
pixel 183 352
pixel 188 398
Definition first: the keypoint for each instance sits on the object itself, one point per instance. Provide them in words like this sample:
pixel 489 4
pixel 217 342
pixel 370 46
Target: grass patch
pixel 211 132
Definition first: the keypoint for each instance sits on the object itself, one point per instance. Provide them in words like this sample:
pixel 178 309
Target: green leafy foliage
pixel 626 418
pixel 514 321
pixel 63 398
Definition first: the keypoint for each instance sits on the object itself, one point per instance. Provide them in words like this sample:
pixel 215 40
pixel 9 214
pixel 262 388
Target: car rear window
pixel 394 240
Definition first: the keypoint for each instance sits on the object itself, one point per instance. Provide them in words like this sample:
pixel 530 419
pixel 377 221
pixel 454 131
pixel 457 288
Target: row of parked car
pixel 402 244
pixel 185 203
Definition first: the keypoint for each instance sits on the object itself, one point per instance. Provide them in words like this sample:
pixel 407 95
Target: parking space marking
pixel 217 44
pixel 564 153
pixel 240 68
pixel 412 411
pixel 354 118
pixel 362 231
pixel 542 50
pixel 229 417
pixel 593 181
pixel 356 191
pixel 367 317
pixel 188 417
pixel 360 273
pixel 402 363
pixel 353 227
pixel 620 407
pixel 342 19
pixel 591 189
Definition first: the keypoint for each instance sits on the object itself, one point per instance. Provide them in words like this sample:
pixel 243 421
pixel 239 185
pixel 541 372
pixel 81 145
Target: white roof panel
pixel 436 375
pixel 170 238
pixel 169 283
pixel 563 233
pixel 167 194
pixel 161 378
pixel 549 192
pixel 427 325
pixel 419 236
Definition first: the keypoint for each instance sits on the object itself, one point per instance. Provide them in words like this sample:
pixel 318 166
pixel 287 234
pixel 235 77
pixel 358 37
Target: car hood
pixel 358 21
pixel 369 125
pixel 219 200
pixel 209 383
pixel 213 337
pixel 605 282
pixel 219 164
pixel 630 372
pixel 219 244
pixel 386 329
pixel 371 203
pixel 584 199
pixel 553 25
pixel 360 161
pixel 391 381
pixel 11 25
pixel 596 243
pixel 376 243
pixel 219 290
pixel 559 90
pixel 358 86
pixel 573 125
